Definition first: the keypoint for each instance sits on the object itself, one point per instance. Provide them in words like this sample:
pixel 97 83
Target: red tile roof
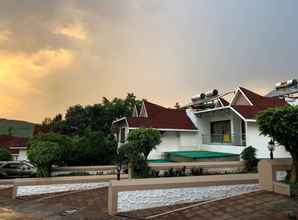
pixel 162 118
pixel 224 102
pixel 260 103
pixel 7 142
pixel 259 100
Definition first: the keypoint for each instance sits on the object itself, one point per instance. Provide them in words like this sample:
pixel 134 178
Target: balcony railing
pixel 227 139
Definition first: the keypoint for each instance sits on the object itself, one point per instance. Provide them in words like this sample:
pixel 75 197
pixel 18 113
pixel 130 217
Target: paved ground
pixel 92 204
pixel 255 206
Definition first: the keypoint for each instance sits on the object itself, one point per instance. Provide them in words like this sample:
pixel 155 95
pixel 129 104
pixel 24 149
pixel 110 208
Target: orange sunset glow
pixel 54 54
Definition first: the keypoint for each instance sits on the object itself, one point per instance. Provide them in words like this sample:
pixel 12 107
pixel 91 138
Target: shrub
pixel 140 144
pixel 249 156
pixel 5 155
pixel 93 149
pixel 196 171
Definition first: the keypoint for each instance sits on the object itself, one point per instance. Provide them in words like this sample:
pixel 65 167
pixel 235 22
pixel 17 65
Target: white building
pixel 178 128
pixel 226 128
pixel 16 146
pixel 232 127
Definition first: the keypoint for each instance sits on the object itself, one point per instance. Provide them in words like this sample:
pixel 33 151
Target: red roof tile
pixel 7 142
pixel 162 118
pixel 224 102
pixel 260 103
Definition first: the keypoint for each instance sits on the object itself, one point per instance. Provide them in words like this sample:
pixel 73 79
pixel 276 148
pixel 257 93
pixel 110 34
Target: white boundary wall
pixel 135 200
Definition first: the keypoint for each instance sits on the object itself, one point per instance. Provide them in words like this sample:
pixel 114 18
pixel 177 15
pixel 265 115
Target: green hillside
pixel 16 128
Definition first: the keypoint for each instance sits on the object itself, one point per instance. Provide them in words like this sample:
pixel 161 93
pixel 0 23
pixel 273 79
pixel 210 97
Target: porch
pixel 222 127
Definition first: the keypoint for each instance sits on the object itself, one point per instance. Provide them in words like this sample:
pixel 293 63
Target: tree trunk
pixel 294 172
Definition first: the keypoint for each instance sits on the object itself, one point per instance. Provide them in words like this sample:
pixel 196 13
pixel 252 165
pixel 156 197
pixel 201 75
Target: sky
pixel 58 53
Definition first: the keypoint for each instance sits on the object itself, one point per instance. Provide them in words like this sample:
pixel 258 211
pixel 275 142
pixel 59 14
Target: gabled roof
pixel 259 103
pixel 259 100
pixel 161 118
pixel 153 109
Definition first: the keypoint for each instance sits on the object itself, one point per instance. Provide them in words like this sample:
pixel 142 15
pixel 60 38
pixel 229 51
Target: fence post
pixel 14 191
pixel 266 174
pixel 130 171
pixel 112 200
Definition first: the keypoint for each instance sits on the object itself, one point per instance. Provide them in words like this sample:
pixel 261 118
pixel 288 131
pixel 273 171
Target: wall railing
pixel 227 139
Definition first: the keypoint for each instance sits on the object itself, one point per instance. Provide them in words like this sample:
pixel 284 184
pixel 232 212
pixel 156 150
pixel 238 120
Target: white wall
pixel 175 141
pixel 260 142
pixel 221 115
pixel 22 155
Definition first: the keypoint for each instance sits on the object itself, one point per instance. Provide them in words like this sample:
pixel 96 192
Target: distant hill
pixel 16 128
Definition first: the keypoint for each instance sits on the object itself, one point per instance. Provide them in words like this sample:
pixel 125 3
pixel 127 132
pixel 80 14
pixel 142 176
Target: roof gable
pixel 223 102
pixel 135 112
pixel 258 103
pixel 143 111
pixel 241 98
pixel 156 116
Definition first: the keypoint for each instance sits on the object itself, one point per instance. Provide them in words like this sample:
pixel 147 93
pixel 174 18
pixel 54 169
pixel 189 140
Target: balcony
pixel 226 139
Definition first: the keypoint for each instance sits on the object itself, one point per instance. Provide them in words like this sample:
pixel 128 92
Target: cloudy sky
pixel 56 53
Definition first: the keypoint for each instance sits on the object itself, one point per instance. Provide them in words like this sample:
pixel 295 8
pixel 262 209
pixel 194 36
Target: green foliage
pixel 44 154
pixel 93 149
pixel 50 149
pixel 97 118
pixel 5 155
pixel 281 124
pixel 140 143
pixel 144 140
pixel 249 156
pixel 66 144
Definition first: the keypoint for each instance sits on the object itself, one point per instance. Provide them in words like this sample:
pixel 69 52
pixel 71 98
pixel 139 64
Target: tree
pixel 76 119
pixel 140 143
pixel 46 143
pixel 145 140
pixel 281 124
pixel 97 117
pixel 10 131
pixel 44 154
pixel 93 149
pixel 5 155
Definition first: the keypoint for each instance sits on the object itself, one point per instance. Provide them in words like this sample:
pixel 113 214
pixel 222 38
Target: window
pixel 122 135
pixel 221 131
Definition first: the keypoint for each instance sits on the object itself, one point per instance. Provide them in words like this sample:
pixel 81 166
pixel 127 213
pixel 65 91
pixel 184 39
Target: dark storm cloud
pixel 60 53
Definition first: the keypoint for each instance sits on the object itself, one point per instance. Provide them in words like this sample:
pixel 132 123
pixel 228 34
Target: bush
pixel 249 156
pixel 196 171
pixel 93 149
pixel 140 143
pixel 5 155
